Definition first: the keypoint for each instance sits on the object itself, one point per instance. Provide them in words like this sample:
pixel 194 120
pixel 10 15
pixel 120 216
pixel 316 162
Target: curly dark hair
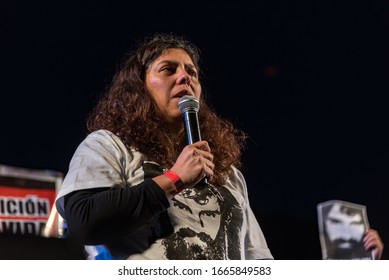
pixel 128 110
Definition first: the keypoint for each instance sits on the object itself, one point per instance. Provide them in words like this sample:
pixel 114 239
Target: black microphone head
pixel 188 103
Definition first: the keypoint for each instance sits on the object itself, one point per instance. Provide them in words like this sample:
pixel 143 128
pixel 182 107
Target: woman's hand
pixel 194 163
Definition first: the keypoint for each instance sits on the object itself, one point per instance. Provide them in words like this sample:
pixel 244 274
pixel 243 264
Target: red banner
pixel 26 199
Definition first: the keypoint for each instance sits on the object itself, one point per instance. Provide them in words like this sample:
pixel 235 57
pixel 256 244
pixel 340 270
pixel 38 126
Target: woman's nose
pixel 183 78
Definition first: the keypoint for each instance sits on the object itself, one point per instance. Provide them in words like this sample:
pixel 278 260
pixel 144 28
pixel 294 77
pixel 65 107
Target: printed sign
pixel 342 226
pixel 26 199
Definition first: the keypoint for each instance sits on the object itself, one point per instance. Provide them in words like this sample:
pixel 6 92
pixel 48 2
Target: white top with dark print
pixel 204 222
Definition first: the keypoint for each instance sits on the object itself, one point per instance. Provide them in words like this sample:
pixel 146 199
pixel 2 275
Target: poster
pixel 342 226
pixel 27 201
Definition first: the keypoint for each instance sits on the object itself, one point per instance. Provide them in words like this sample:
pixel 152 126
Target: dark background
pixel 307 80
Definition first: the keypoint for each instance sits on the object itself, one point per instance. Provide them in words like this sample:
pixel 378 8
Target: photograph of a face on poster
pixel 341 229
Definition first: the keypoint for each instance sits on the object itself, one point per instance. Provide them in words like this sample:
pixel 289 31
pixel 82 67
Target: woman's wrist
pixel 176 180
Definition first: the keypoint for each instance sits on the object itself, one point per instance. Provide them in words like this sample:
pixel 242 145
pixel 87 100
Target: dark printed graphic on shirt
pixel 206 221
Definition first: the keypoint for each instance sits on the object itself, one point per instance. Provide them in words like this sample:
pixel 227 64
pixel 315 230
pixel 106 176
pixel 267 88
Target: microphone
pixel 189 106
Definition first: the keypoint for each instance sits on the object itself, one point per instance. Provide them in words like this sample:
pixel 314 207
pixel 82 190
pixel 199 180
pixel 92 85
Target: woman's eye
pixel 193 73
pixel 167 68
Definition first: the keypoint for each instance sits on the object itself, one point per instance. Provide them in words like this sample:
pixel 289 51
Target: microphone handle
pixel 192 130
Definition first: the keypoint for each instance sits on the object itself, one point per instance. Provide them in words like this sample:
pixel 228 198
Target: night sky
pixel 307 80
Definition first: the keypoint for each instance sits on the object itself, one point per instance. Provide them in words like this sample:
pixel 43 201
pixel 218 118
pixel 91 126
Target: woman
pixel 136 189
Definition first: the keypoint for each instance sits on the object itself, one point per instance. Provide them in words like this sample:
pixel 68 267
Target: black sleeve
pixel 95 216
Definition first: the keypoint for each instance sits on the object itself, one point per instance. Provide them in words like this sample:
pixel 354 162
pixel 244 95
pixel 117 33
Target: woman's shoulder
pixel 237 182
pixel 105 140
pixel 109 146
pixel 105 137
pixel 102 133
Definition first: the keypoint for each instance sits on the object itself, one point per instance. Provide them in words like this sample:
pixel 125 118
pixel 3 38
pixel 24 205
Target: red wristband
pixel 176 180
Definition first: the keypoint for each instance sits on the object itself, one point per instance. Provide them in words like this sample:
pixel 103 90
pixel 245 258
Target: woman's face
pixel 169 77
